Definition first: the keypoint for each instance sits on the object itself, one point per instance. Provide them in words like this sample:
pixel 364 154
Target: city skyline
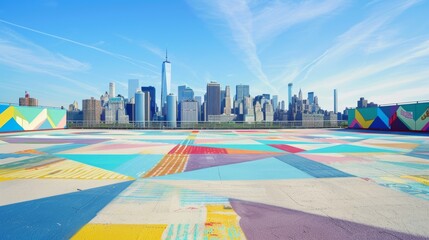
pixel 363 50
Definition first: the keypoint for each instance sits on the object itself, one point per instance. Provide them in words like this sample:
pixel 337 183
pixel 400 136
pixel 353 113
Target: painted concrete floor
pixel 257 184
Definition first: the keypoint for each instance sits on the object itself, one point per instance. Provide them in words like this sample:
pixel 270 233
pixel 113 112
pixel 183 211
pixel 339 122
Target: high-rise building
pixel 241 91
pixel 310 98
pixel 112 91
pixel 28 101
pixel 152 95
pixel 259 116
pixel 133 87
pixel 289 93
pixel 222 101
pixel 91 111
pixel 114 112
pixel 335 101
pixel 139 108
pixel 147 112
pixel 180 90
pixel 362 103
pixel 184 93
pixel 74 106
pixel 275 102
pixel 227 101
pixel 130 109
pixel 268 112
pixel 104 99
pixel 198 99
pixel 165 83
pixel 248 110
pixel 266 96
pixel 213 99
pixel 189 113
pixel 172 110
pixel 74 114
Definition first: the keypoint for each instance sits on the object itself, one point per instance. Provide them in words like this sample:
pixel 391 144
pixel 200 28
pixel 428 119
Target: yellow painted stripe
pixel 222 223
pixel 120 231
pixel 63 169
pixel 6 115
pixel 5 179
pixel 364 123
pixel 421 179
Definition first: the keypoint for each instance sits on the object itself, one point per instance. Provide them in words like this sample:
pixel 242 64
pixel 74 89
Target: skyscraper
pixel 310 98
pixel 147 112
pixel 91 111
pixel 335 101
pixel 289 93
pixel 275 102
pixel 171 110
pixel 241 91
pixel 213 99
pixel 112 90
pixel 152 95
pixel 227 101
pixel 139 111
pixel 189 113
pixel 198 99
pixel 133 86
pixel 184 93
pixel 165 84
pixel 180 90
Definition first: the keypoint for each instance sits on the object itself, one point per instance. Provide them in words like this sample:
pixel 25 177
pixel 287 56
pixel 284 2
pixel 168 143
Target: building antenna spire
pixel 166 55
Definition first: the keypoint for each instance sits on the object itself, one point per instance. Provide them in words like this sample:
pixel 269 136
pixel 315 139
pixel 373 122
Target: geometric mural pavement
pixel 214 184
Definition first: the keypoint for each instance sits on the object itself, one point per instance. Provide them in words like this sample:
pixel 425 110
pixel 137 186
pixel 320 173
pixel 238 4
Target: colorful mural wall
pixel 20 118
pixel 407 117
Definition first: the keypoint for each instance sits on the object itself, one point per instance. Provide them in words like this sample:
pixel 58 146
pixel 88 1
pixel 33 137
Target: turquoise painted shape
pixel 410 165
pixel 105 161
pixel 11 126
pixel 46 125
pixel 139 165
pixel 56 217
pixel 251 147
pixel 166 141
pixel 29 113
pixel 285 142
pixel 3 107
pixel 60 147
pixel 265 169
pixel 344 148
pixel 56 115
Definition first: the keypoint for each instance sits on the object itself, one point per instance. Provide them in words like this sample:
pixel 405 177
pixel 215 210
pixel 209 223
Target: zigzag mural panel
pixel 20 118
pixel 407 117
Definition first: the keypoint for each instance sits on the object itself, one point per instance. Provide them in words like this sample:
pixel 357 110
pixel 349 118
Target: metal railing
pixel 38 106
pixel 208 125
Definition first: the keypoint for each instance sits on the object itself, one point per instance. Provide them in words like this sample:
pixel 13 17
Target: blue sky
pixel 61 51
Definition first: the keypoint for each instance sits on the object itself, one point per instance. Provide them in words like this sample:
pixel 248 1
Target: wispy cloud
pixel 360 73
pixel 249 24
pixel 19 53
pixel 12 53
pixel 115 55
pixel 361 36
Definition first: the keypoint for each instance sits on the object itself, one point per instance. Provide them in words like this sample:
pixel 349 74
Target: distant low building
pixel 312 120
pixel 221 118
pixel 28 101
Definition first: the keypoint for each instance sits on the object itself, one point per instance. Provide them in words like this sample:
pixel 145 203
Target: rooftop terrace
pixel 214 184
